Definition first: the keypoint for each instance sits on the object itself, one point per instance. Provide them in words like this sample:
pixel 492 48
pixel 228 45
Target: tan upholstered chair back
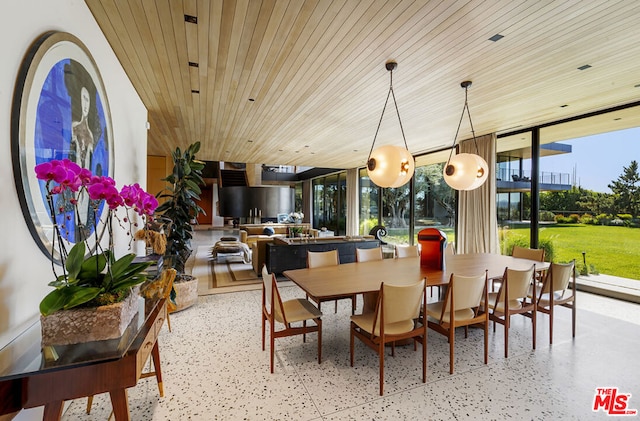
pixel 519 282
pixel 531 254
pixel 402 302
pixel 368 255
pixel 316 259
pixel 467 291
pixel 407 251
pixel 272 296
pixel 560 275
pixel 449 250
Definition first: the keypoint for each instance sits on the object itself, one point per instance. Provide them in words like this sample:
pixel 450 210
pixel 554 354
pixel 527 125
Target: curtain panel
pixel 477 217
pixel 353 202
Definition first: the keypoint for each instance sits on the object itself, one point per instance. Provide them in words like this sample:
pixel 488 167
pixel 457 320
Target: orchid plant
pixel 97 278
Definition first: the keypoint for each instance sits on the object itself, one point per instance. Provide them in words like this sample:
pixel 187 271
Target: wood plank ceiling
pixel 294 82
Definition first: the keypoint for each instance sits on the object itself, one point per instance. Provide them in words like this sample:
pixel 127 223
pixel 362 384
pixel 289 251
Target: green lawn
pixel 612 250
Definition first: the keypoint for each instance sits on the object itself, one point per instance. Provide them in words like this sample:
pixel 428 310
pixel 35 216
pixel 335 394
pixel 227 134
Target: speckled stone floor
pixel 214 369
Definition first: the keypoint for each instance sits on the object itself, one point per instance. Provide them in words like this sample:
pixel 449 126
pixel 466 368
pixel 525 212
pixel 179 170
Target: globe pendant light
pixel 465 171
pixel 390 166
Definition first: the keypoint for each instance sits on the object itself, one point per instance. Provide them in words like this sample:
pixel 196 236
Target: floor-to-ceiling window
pixel 582 179
pixel 329 202
pixel 396 209
pixel 434 201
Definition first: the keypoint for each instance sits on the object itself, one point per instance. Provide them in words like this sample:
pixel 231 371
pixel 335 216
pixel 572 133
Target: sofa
pixel 250 233
pixel 256 236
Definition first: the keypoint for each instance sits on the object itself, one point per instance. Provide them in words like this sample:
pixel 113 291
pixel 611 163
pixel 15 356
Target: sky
pixel 598 159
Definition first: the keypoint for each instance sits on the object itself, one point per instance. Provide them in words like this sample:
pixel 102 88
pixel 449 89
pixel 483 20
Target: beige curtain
pixel 353 202
pixel 477 219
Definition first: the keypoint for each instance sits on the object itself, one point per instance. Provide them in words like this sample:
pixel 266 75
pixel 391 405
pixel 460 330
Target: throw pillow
pixel 268 231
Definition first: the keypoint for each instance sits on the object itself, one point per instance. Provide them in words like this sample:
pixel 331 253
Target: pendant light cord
pixel 473 132
pixel 382 115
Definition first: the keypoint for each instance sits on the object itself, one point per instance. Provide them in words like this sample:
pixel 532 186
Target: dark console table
pixel 32 375
pixel 288 254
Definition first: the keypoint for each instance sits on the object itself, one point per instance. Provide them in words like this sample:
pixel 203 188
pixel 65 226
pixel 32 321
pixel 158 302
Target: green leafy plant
pixel 96 278
pixel 89 281
pixel 182 194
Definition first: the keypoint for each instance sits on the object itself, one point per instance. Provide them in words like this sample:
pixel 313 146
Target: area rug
pixel 226 275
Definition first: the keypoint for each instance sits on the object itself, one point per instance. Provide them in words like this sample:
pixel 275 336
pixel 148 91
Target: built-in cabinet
pixel 281 257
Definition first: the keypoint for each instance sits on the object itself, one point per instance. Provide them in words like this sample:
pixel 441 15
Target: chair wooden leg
pixel 168 321
pixel 319 323
pixel 304 333
pixel 573 317
pixel 351 345
pixel 381 353
pixel 506 334
pixel 451 344
pixel 424 358
pixel 550 325
pixel 263 330
pixel 354 304
pixel 272 343
pixel 486 341
pixel 533 318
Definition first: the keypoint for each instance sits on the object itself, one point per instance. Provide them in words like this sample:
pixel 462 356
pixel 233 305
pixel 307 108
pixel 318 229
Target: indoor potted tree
pixel 180 208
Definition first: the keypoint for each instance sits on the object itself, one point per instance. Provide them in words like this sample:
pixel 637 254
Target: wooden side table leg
pixel 155 354
pixel 53 411
pixel 120 404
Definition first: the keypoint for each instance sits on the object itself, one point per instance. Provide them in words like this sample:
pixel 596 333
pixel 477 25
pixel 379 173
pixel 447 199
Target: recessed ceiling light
pixel 585 67
pixel 191 19
pixel 496 37
pixel 192 64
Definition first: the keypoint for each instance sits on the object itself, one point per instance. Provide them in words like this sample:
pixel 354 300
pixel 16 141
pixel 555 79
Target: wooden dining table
pixel 325 283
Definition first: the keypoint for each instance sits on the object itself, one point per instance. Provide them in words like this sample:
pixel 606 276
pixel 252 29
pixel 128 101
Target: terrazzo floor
pixel 214 369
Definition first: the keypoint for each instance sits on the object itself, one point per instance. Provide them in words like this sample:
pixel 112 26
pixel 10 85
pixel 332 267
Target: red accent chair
pixel 432 242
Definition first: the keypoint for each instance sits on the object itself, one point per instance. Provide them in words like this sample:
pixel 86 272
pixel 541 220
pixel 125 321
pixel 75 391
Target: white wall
pixel 24 270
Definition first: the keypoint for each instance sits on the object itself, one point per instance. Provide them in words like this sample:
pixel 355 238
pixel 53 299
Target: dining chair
pixel 368 255
pixel 316 259
pixel 449 250
pixel 557 288
pixel 432 242
pixel 528 253
pixel 285 313
pixel 460 307
pixel 407 251
pixel 512 299
pixel 536 255
pixel 395 318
